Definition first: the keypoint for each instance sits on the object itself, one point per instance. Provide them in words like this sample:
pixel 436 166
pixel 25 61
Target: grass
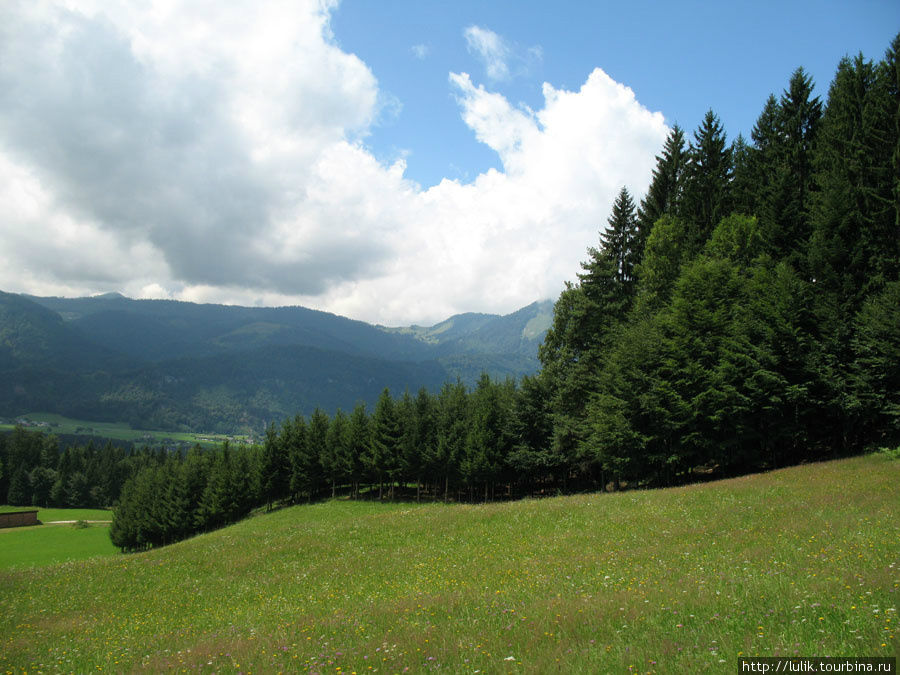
pixel 801 561
pixel 121 431
pixel 52 544
pixel 50 515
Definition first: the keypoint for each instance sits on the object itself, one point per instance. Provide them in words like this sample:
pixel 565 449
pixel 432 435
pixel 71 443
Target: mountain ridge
pixel 184 366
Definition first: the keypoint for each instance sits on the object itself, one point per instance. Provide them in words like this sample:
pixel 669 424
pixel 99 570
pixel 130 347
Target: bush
pixel 891 453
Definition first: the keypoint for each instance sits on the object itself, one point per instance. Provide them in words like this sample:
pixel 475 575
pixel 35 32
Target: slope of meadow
pixel 801 561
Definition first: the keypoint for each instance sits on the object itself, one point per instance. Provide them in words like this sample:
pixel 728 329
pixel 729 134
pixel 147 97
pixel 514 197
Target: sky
pixel 396 162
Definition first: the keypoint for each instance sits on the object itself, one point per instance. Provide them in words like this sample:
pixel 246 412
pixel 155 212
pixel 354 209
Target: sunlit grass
pixel 51 515
pixel 52 544
pixel 803 561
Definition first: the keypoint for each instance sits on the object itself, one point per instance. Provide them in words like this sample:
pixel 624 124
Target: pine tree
pixel 426 438
pixel 488 440
pixel 453 425
pixel 708 173
pixel 358 444
pixel 275 469
pixel 617 241
pixel 798 121
pixel 295 436
pixel 756 176
pixel 531 459
pixel 19 488
pixel 856 242
pixel 665 191
pixel 309 469
pixel 383 460
pixel 334 459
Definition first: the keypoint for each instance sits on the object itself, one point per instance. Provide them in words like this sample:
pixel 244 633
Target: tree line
pixel 37 470
pixel 458 444
pixel 747 313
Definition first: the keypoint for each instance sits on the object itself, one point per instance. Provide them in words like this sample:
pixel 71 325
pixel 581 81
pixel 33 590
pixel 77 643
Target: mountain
pixel 183 366
pixel 503 346
pixel 31 334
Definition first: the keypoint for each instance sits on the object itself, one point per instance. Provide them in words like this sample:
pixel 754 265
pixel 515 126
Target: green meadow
pixel 53 542
pixel 51 515
pixel 801 561
pixel 122 431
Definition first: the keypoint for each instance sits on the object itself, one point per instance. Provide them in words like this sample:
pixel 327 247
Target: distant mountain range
pixel 163 364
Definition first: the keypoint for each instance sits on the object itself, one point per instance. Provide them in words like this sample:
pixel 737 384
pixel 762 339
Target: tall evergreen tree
pixel 295 437
pixel 334 459
pixel 488 441
pixel 453 425
pixel 384 452
pixel 358 444
pixel 708 173
pixel 855 244
pixel 666 186
pixel 798 121
pixel 617 242
pixel 310 469
pixel 19 488
pixel 855 241
pixel 426 438
pixel 275 469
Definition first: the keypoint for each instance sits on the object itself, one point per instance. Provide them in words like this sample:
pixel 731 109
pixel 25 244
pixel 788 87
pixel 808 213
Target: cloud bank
pixel 217 153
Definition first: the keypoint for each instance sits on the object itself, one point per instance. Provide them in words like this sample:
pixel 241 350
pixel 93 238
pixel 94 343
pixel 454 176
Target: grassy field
pixel 50 544
pixel 50 515
pixel 801 561
pixel 118 431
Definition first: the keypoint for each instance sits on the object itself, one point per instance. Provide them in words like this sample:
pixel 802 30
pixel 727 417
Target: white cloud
pixel 491 49
pixel 215 153
pixel 420 51
pixel 502 59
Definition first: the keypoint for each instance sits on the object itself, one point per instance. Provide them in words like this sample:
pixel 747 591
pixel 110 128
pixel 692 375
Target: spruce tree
pixel 383 460
pixel 19 488
pixel 334 459
pixel 426 438
pixel 708 174
pixel 664 194
pixel 274 471
pixel 358 444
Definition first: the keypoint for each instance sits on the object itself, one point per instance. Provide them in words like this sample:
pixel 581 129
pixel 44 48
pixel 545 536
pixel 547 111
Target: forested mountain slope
pixel 178 365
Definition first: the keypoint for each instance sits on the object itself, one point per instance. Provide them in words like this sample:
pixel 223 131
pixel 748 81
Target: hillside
pixel 686 580
pixel 182 366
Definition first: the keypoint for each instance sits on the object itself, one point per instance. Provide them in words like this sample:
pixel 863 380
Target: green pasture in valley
pixel 57 424
pixel 52 515
pixel 801 561
pixel 51 544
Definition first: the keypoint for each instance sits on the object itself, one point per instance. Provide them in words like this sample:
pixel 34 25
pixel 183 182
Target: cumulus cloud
pixel 216 152
pixel 420 51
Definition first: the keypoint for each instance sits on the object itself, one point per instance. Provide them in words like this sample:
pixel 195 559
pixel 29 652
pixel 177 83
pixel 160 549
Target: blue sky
pixel 393 161
pixel 680 58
